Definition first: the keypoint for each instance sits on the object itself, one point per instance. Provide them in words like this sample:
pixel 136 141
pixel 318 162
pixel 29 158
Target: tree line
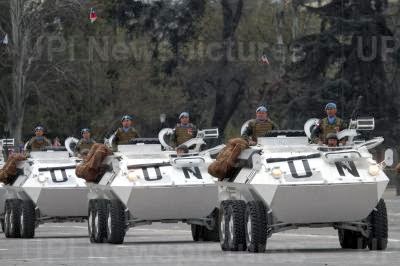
pixel 148 58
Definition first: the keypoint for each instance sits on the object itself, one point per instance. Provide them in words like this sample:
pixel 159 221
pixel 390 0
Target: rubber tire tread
pixel 28 209
pixel 378 220
pixel 117 213
pixel 258 213
pixel 237 209
pixel 223 214
pixel 15 205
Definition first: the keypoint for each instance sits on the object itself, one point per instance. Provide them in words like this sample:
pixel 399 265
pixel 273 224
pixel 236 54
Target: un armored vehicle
pixel 45 189
pixel 146 182
pixel 286 183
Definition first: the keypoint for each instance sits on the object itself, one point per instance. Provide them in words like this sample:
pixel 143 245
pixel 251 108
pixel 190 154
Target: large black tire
pixel 378 224
pixel 115 222
pixel 90 220
pixel 223 224
pixel 27 219
pixel 2 224
pixel 97 220
pixel 351 239
pixel 256 226
pixel 12 218
pixel 235 235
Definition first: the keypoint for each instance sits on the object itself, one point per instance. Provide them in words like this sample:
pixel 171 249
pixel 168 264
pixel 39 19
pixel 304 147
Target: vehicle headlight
pixel 276 172
pixel 42 178
pixel 374 170
pixel 133 177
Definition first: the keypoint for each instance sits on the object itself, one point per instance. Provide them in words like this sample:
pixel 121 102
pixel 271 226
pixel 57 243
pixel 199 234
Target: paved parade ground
pixel 171 244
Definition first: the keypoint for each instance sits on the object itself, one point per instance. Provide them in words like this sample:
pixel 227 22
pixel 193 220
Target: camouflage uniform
pixel 256 129
pixel 37 143
pixel 182 134
pixel 84 146
pixel 325 128
pixel 123 138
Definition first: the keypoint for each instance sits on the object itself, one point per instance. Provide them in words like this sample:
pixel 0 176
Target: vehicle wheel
pixel 115 222
pixel 378 223
pixel 27 219
pixel 351 239
pixel 256 226
pixel 97 219
pixel 223 224
pixel 12 218
pixel 2 225
pixel 236 238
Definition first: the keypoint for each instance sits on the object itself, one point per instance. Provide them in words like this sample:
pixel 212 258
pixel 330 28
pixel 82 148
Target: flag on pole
pixel 92 15
pixel 5 40
pixel 264 60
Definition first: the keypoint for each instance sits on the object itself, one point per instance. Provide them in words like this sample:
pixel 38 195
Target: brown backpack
pixel 91 168
pixel 226 159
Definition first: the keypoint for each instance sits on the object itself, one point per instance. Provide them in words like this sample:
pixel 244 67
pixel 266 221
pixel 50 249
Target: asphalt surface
pixel 171 244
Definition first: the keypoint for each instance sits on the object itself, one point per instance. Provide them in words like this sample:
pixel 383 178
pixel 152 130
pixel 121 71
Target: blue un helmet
pixel 37 128
pixel 85 130
pixel 126 117
pixel 261 109
pixel 183 114
pixel 330 106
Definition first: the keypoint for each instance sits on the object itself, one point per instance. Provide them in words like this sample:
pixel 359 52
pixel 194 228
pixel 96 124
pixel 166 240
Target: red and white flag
pixel 92 15
pixel 264 60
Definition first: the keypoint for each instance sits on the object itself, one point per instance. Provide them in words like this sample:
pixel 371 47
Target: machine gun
pixel 358 124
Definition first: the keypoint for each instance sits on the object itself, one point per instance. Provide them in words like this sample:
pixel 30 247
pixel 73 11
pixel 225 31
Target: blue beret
pixel 126 117
pixel 330 106
pixel 262 109
pixel 85 130
pixel 183 114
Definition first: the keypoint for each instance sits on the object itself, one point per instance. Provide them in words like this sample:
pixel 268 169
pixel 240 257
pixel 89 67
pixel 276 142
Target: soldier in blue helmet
pixel 259 127
pixel 125 133
pixel 183 131
pixel 330 124
pixel 85 143
pixel 39 141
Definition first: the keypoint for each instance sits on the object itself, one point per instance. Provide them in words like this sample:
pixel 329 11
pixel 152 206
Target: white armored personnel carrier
pixel 286 183
pixel 146 182
pixel 45 189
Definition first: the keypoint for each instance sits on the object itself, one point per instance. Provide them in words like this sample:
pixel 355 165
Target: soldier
pixel 332 140
pixel 329 124
pixel 39 141
pixel 183 131
pixel 125 133
pixel 259 127
pixel 84 144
